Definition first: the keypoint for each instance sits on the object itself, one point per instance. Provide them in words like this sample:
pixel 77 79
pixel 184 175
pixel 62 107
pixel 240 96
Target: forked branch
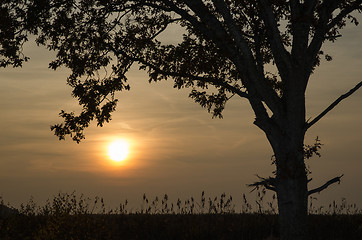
pixel 324 186
pixel 335 103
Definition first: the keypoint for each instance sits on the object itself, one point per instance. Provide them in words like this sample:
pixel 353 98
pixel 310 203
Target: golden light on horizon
pixel 118 150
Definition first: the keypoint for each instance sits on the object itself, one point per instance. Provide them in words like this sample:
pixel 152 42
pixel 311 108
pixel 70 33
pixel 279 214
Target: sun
pixel 118 150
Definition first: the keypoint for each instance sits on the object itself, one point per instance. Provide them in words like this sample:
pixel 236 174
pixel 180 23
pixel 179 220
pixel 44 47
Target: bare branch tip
pixel 327 184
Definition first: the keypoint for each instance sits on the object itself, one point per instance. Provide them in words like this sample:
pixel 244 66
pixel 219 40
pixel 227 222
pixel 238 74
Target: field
pixel 68 216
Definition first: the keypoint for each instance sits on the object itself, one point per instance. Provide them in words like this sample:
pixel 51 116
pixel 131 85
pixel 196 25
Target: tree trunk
pixel 293 209
pixel 291 188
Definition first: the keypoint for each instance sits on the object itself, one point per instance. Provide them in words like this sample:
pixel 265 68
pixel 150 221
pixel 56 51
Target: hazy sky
pixel 176 147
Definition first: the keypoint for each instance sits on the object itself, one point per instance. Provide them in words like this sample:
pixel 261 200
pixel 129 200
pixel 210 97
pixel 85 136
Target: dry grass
pixel 68 216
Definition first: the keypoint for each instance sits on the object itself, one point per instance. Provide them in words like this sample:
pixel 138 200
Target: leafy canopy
pixel 249 49
pixel 13 32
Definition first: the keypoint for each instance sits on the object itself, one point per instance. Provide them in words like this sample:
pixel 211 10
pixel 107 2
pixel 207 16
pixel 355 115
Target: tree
pixel 262 51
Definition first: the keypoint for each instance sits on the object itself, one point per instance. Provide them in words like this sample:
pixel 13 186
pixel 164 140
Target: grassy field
pixel 68 216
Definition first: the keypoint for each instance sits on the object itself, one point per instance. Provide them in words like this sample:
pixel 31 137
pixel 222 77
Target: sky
pixel 176 146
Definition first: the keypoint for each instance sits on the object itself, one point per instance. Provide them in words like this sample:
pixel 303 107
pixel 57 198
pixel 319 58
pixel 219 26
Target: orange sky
pixel 177 148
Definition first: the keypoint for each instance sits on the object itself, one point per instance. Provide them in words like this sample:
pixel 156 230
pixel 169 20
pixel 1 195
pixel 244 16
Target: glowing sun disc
pixel 118 150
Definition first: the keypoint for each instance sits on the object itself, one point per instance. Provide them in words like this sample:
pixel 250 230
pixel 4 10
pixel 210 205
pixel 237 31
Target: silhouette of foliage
pixel 12 32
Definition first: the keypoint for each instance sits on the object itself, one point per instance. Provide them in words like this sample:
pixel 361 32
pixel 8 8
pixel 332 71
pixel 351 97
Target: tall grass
pixel 74 216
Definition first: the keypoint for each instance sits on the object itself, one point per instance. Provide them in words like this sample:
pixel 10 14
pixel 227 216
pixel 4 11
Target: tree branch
pixel 344 13
pixel 268 183
pixel 212 29
pixel 324 13
pixel 184 14
pixel 300 29
pixel 324 186
pixel 326 23
pixel 265 91
pixel 212 81
pixel 209 26
pixel 330 107
pixel 281 55
pixel 234 30
pixel 309 7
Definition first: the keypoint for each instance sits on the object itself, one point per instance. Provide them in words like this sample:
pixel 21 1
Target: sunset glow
pixel 118 150
pixel 160 141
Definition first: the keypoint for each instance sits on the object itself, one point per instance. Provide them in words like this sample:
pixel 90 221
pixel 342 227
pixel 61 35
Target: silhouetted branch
pixel 205 79
pixel 338 100
pixel 347 10
pixel 324 186
pixel 268 183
